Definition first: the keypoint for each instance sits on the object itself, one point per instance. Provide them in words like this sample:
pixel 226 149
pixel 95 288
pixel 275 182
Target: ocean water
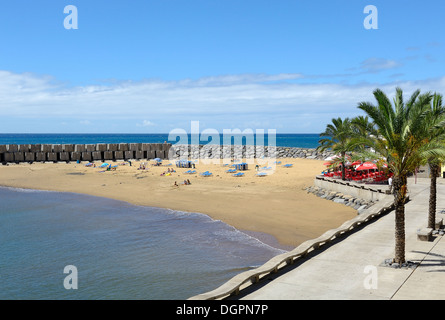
pixel 120 251
pixel 281 140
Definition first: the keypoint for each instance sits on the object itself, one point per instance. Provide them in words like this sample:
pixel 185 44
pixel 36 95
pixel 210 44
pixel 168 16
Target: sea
pixel 68 246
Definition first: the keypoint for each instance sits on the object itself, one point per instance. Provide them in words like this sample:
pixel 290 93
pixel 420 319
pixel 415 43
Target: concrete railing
pixel 247 278
pixel 14 153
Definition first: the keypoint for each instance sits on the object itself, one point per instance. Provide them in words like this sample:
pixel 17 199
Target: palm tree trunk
pixel 400 187
pixel 433 196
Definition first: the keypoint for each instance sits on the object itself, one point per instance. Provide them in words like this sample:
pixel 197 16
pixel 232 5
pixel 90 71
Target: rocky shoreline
pixel 358 204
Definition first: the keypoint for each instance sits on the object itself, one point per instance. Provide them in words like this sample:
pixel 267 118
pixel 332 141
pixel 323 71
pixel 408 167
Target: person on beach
pixel 390 184
pixel 188 181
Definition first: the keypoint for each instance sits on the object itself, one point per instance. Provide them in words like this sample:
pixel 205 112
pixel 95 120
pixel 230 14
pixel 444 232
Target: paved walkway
pixel 344 270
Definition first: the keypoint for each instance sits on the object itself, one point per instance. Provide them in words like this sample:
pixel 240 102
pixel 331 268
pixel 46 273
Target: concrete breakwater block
pixel 119 155
pixel 35 148
pixel 68 147
pixel 79 148
pixel 108 155
pixel 112 147
pixel 30 156
pixel 123 146
pixel 64 156
pixel 129 154
pixel 57 148
pixel 46 148
pixel 3 148
pixel 90 147
pixel 76 156
pixel 146 147
pixel 86 156
pixel 19 156
pixel 8 157
pixel 24 147
pixel 52 156
pixel 97 155
pixel 101 147
pixel 41 156
pixel 141 154
pixel 12 148
pixel 135 146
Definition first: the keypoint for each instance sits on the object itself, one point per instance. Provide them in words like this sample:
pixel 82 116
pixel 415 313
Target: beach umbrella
pixel 367 166
pixel 157 159
pixel 356 163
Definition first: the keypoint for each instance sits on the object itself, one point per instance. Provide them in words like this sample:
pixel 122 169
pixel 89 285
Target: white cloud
pixel 222 102
pixel 378 64
pixel 145 123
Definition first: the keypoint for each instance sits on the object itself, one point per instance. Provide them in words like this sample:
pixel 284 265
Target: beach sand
pixel 275 205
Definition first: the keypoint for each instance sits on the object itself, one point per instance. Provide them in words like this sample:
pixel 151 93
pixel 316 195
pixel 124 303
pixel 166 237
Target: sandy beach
pixel 275 205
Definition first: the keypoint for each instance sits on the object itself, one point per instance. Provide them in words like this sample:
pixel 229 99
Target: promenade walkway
pixel 346 269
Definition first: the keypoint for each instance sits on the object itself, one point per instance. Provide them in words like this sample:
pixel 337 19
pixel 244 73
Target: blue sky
pixel 145 66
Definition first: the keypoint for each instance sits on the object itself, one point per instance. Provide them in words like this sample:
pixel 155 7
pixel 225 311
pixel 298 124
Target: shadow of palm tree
pixel 425 263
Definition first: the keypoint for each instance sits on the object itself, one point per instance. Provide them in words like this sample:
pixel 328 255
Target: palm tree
pixel 337 137
pixel 399 137
pixel 435 129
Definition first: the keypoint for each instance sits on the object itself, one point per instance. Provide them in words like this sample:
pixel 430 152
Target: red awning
pixel 367 166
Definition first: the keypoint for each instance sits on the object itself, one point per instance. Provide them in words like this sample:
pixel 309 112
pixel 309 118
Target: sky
pixel 146 66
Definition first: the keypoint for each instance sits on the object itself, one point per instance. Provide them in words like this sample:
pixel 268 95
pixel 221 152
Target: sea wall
pixel 14 153
pixel 244 152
